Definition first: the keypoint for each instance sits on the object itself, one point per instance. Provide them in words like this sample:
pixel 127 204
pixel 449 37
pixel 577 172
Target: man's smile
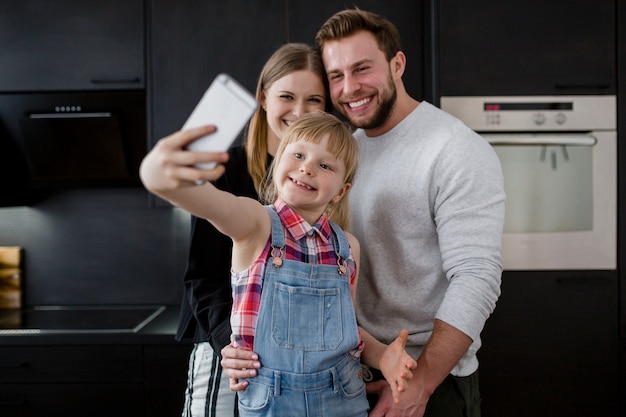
pixel 359 103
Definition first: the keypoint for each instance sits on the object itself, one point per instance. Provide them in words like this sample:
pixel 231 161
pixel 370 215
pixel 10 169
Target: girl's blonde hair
pixel 313 127
pixel 289 58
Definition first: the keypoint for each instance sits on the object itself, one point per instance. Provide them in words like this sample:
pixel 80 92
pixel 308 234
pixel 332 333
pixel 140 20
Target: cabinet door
pixel 71 381
pixel 304 20
pixel 192 41
pixel 166 378
pixel 551 346
pixel 71 45
pixel 530 47
pixel 70 364
pixel 72 400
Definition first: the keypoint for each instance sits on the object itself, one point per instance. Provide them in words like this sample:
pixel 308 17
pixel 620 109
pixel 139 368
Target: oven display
pixel 507 106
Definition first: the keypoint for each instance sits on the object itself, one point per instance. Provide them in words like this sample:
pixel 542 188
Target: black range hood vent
pixel 74 146
pixel 75 139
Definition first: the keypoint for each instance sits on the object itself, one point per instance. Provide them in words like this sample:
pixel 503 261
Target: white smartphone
pixel 225 104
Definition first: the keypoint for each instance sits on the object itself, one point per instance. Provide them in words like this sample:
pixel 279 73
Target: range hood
pixel 60 140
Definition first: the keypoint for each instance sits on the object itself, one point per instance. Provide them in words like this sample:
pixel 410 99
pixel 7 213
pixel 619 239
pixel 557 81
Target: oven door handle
pixel 540 139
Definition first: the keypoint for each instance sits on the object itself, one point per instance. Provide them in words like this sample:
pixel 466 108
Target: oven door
pixel 561 210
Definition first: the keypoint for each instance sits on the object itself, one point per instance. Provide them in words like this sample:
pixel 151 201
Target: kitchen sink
pixel 77 319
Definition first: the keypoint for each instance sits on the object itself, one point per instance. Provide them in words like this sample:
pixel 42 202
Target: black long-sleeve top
pixel 207 300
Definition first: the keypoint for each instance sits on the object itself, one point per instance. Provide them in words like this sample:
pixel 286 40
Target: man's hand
pixel 410 404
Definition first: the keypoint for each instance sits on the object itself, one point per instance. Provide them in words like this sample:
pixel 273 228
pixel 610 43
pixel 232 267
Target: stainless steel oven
pixel 559 159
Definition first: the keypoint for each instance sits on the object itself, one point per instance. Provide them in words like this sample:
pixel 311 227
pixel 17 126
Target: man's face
pixel 361 84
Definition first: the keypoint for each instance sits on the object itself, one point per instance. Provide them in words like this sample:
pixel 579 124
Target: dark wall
pixel 98 246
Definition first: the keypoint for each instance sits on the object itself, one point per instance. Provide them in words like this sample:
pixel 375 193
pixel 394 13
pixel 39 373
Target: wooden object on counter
pixel 10 256
pixel 10 277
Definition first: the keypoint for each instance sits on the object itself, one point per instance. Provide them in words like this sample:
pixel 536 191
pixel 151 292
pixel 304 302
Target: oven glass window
pixel 549 187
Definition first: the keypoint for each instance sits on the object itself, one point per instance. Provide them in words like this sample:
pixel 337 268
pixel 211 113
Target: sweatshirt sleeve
pixel 469 216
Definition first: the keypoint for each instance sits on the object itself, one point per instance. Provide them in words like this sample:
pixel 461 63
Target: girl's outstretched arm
pixel 169 171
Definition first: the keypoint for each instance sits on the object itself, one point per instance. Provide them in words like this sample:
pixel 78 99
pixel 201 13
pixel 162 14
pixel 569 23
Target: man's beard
pixel 381 115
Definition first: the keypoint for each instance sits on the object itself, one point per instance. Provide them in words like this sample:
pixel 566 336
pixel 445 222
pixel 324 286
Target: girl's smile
pixel 301 184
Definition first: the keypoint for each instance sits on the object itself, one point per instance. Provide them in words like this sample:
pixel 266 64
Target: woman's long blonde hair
pixel 288 58
pixel 313 127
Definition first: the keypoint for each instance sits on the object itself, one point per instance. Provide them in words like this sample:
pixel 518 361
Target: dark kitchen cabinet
pixel 71 381
pixel 93 380
pixel 192 41
pixel 530 47
pixel 165 379
pixel 71 45
pixel 551 346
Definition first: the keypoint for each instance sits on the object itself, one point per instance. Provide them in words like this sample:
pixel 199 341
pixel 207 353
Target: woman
pixel 291 84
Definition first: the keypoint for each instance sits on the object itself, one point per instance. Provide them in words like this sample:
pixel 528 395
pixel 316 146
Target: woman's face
pixel 287 99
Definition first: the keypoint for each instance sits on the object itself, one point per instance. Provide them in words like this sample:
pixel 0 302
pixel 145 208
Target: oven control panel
pixel 533 113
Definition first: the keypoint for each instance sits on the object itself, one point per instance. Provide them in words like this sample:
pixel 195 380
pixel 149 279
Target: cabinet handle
pixel 559 86
pixel 583 280
pixel 13 365
pixel 77 115
pixel 134 80
pixel 12 403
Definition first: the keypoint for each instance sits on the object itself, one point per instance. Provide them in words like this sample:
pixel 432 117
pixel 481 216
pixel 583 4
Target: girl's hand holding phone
pixel 170 165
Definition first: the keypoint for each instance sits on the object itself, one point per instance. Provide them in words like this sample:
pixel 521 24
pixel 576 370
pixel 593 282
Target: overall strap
pixel 278 238
pixel 342 248
pixel 340 241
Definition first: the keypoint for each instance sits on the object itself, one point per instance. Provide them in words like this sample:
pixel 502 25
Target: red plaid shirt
pixel 304 243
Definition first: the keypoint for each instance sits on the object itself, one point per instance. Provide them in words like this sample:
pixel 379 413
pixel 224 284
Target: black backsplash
pixel 98 246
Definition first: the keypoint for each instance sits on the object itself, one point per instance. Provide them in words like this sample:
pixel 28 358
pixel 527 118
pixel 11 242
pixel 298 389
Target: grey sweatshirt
pixel 427 206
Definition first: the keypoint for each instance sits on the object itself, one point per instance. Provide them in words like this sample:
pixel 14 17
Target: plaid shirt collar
pixel 298 227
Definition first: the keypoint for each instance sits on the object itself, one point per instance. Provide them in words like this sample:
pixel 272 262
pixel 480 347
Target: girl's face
pixel 308 177
pixel 287 99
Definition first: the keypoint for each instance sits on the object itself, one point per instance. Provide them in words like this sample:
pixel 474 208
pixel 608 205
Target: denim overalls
pixel 307 329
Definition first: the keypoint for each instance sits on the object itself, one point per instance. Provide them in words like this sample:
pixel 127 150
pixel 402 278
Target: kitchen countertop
pixel 160 330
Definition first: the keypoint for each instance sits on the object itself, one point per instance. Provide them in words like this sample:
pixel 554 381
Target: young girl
pixel 294 271
pixel 291 83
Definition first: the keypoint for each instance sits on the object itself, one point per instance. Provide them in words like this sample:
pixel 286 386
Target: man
pixel 427 206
